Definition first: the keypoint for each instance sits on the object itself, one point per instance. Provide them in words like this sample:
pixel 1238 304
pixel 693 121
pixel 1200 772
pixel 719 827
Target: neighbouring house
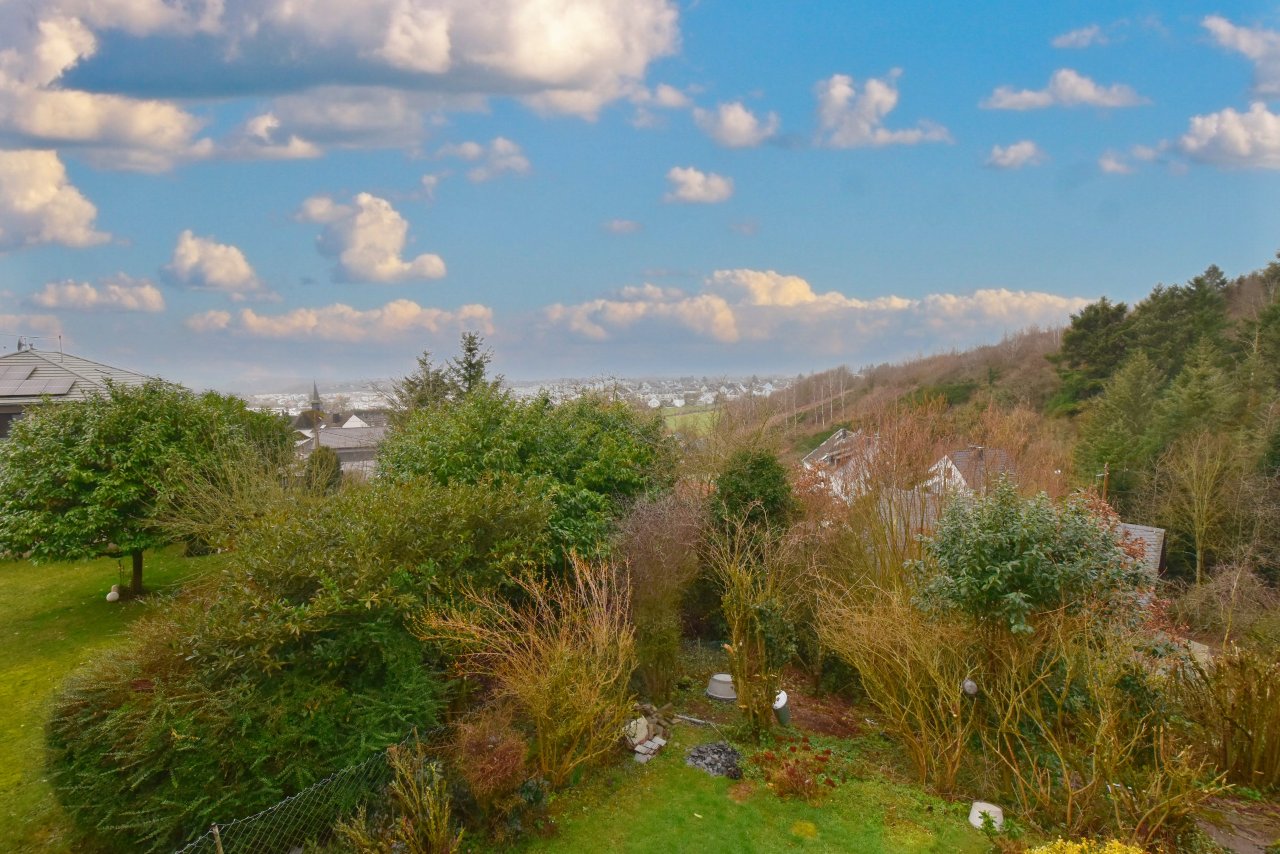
pixel 29 376
pixel 351 436
pixel 842 461
pixel 970 470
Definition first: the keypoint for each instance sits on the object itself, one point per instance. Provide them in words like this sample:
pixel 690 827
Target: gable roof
pixel 27 376
pixel 826 454
pixel 979 466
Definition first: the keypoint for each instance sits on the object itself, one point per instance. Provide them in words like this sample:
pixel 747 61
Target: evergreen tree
pixel 1169 322
pixel 1093 347
pixel 431 384
pixel 1202 397
pixel 1117 433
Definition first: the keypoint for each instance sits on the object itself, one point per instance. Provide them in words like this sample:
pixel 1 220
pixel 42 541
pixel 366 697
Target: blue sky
pixel 232 193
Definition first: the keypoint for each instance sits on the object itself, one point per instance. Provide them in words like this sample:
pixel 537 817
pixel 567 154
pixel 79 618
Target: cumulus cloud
pixel 734 126
pixel 39 46
pixel 368 238
pixel 39 205
pixel 1016 155
pixel 1261 46
pixel 121 293
pixel 703 314
pixel 1080 38
pixel 339 322
pixel 622 226
pixel 848 118
pixel 45 325
pixel 778 310
pixel 1114 163
pixel 499 157
pixel 693 186
pixel 1249 140
pixel 214 320
pixel 261 138
pixel 1066 88
pixel 568 56
pixel 204 264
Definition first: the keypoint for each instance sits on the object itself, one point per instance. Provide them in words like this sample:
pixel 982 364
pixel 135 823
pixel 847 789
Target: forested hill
pixel 1172 405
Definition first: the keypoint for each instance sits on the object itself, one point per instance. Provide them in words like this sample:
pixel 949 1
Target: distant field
pixel 692 420
pixel 52 618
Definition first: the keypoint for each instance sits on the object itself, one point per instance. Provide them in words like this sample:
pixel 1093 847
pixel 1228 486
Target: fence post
pixel 217 838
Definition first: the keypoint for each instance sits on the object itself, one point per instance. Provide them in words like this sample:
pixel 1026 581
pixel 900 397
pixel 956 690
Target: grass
pixel 53 618
pixel 667 806
pixel 692 421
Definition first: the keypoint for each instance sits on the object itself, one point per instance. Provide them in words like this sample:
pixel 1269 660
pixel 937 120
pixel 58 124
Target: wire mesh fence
pixel 305 817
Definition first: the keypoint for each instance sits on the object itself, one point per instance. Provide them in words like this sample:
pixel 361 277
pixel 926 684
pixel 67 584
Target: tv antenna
pixel 26 342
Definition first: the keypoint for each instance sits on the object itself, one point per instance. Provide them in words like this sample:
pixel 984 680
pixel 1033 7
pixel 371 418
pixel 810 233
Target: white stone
pixel 641 757
pixel 636 732
pixel 658 741
pixel 113 596
pixel 979 807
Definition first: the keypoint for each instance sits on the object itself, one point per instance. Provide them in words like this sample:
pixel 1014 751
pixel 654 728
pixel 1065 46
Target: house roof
pixel 27 376
pixel 826 453
pixel 348 437
pixel 1152 540
pixel 978 465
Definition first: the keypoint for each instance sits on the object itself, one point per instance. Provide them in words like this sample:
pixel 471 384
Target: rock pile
pixel 648 734
pixel 717 759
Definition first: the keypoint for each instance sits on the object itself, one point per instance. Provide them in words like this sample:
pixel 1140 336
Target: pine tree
pixel 1117 430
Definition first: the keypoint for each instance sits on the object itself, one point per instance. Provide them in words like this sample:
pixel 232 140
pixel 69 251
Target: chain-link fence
pixel 307 816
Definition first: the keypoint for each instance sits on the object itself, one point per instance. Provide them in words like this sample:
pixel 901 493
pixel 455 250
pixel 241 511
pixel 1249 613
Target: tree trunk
pixel 136 588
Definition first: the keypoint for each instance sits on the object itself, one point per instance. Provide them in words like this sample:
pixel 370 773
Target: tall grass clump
pixel 562 656
pixel 416 814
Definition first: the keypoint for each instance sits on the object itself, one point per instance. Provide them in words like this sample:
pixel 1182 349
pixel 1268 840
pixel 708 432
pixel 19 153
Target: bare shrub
pixel 416 819
pixel 657 549
pixel 1235 706
pixel 562 658
pixel 912 666
pixel 491 758
pixel 753 566
pixel 1230 604
pixel 1076 745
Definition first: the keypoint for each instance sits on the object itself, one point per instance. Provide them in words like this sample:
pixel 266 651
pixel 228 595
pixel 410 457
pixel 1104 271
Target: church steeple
pixel 317 405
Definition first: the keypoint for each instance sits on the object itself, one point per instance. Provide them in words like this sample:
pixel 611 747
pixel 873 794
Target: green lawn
pixel 53 618
pixel 666 806
pixel 692 421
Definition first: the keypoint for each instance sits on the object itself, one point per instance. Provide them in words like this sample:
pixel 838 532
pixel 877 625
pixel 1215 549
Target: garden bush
pixel 1003 559
pixel 490 757
pixel 416 816
pixel 589 457
pixel 562 657
pixel 1234 704
pixel 293 662
pixel 657 548
pixel 1231 604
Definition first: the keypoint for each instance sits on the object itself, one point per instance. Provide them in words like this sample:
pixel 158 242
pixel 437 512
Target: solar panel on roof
pixel 35 388
pixel 16 373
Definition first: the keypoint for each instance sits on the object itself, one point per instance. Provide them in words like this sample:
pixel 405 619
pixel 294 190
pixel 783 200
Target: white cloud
pixel 39 205
pixel 1259 45
pixel 204 264
pixel 44 325
pixel 1067 88
pixel 1113 163
pixel 1082 37
pixel 499 157
pixel 368 238
pixel 339 322
pixel 1016 155
pixel 696 187
pixel 779 311
pixel 734 126
pixel 622 226
pixel 597 320
pixel 119 294
pixel 261 138
pixel 215 320
pixel 1228 138
pixel 848 118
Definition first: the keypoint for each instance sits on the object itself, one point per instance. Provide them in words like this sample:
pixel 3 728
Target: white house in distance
pixel 29 376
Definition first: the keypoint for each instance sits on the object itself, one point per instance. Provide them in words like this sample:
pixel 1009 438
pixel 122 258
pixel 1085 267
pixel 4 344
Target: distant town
pixel 653 392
